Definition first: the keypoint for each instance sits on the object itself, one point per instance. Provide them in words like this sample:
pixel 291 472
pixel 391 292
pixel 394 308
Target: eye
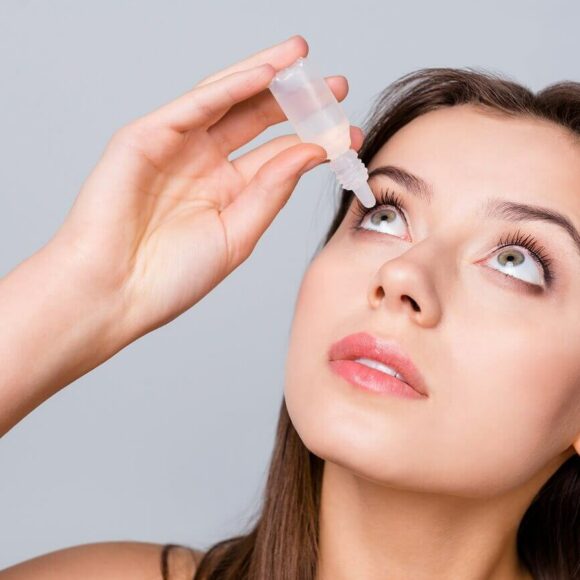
pixel 528 264
pixel 387 217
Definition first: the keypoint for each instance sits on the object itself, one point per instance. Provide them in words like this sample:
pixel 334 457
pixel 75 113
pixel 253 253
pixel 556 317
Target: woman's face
pixel 500 358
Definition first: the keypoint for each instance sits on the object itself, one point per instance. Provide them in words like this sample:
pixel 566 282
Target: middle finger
pixel 249 118
pixel 248 163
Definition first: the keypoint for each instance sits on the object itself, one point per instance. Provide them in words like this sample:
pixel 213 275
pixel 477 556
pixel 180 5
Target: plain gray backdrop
pixel 169 440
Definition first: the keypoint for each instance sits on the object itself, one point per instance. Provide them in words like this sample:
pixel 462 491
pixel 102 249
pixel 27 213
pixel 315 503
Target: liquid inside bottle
pixel 327 127
pixel 316 115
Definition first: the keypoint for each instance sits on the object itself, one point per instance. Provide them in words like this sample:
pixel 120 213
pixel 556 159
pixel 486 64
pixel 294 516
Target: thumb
pixel 248 216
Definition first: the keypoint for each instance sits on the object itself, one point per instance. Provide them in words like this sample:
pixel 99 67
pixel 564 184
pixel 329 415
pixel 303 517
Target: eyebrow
pixel 495 207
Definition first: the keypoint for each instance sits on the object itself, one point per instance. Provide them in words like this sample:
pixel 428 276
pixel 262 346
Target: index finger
pixel 279 56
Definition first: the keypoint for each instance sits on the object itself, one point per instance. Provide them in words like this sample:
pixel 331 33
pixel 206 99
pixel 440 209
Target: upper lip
pixel 365 345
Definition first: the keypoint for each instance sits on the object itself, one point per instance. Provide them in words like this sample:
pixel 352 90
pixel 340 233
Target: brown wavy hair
pixel 281 541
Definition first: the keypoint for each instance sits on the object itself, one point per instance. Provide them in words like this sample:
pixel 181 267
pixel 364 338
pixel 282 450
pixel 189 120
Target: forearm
pixel 53 329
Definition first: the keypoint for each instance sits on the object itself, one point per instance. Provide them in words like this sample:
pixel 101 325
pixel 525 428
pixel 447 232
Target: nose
pixel 405 285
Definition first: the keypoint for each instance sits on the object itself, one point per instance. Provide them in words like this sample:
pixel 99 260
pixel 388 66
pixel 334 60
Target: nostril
pixel 413 303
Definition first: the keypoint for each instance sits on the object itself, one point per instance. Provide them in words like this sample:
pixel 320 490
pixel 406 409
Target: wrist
pixel 94 307
pixel 56 327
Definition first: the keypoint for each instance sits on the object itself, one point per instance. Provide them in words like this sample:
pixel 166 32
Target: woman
pixel 468 267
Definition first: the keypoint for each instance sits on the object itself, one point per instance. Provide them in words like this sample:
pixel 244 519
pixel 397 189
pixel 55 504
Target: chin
pixel 360 438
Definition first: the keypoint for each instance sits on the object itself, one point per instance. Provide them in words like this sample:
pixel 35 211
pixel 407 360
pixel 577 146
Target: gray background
pixel 168 441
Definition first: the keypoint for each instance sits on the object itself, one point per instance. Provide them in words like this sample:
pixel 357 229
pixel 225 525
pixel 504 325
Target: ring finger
pixel 248 163
pixel 249 118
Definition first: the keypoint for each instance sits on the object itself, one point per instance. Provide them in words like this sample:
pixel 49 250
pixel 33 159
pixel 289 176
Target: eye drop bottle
pixel 317 117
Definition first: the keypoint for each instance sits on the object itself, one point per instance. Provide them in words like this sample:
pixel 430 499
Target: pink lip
pixel 364 345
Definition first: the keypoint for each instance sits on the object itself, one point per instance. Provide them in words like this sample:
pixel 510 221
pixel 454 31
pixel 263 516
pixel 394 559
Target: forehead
pixel 465 151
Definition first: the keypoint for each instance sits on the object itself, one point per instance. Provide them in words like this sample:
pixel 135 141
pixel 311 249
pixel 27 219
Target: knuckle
pixel 261 113
pixel 132 133
pixel 204 110
pixel 125 134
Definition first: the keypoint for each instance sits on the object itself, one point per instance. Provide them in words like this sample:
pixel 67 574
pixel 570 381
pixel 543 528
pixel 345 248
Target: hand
pixel 166 215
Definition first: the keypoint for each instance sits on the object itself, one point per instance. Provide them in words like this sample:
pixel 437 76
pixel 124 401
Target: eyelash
pixel 387 197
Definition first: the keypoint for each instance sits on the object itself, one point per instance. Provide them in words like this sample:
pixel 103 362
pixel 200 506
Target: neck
pixel 370 532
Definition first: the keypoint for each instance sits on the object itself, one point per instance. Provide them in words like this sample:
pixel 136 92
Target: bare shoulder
pixel 108 560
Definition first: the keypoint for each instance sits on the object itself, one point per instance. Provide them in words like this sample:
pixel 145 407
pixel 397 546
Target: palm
pixel 161 224
pixel 181 185
pixel 166 215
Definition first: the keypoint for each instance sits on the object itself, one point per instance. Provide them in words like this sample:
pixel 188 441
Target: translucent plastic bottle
pixel 317 117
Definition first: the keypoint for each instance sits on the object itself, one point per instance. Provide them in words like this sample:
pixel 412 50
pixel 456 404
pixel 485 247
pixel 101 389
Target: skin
pixel 435 488
pixel 455 473
pixel 169 211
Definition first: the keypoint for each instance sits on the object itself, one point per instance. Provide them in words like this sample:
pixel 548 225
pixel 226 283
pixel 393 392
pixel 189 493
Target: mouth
pixel 365 358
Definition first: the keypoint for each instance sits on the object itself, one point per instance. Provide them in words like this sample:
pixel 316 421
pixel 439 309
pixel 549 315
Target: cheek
pixel 508 394
pixel 503 390
pixel 328 306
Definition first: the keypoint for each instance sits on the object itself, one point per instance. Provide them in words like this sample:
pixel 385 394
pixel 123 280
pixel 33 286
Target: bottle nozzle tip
pixel 365 195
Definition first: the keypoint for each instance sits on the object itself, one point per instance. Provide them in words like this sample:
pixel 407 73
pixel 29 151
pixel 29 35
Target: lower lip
pixel 370 379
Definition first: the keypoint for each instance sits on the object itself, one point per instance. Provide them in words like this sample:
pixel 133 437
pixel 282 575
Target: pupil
pixel 511 257
pixel 384 217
